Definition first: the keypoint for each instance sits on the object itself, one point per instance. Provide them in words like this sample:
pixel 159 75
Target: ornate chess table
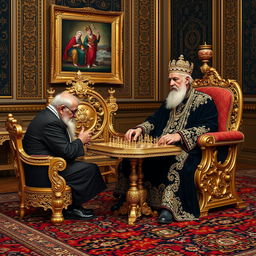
pixel 135 204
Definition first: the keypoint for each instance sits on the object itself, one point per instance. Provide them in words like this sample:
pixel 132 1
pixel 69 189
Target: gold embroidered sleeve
pixel 190 136
pixel 147 127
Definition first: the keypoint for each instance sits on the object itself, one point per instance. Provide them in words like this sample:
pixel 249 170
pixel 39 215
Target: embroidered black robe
pixel 170 180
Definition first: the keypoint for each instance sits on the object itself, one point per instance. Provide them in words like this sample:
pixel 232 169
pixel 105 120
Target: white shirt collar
pixel 54 110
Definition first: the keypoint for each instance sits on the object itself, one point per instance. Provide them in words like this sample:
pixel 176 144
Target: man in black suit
pixel 52 132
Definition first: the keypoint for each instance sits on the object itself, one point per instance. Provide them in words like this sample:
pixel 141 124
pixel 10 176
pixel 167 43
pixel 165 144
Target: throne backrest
pixel 94 113
pixel 227 97
pixel 223 100
pixel 15 134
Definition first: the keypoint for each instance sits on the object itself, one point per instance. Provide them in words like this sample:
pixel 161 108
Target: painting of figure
pixel 86 40
pixel 86 46
pixel 75 51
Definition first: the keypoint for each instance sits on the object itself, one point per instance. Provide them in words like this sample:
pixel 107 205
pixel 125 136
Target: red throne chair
pixel 215 179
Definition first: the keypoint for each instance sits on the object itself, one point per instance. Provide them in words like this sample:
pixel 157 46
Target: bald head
pixel 66 104
pixel 65 99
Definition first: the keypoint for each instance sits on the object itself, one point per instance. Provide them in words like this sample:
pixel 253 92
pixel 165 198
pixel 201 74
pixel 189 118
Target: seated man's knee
pixel 93 168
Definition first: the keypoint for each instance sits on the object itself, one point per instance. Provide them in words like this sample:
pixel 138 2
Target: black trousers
pixel 84 178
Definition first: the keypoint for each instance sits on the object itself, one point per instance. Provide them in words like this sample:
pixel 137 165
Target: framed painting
pixel 88 40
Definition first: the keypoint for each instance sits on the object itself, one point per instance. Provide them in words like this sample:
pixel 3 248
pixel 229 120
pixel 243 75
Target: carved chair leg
pixel 21 212
pixel 203 212
pixel 241 204
pixel 57 207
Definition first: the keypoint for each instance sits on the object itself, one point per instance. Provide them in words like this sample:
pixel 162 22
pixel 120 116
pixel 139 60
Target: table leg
pixel 144 208
pixel 133 195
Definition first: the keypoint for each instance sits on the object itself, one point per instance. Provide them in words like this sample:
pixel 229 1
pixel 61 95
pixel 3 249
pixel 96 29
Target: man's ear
pixel 60 108
pixel 187 80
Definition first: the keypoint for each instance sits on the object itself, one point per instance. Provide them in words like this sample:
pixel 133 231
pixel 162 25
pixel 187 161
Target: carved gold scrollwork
pixel 44 200
pixel 215 179
pixel 85 116
pixel 35 199
pixel 58 182
pixel 3 138
pixel 94 112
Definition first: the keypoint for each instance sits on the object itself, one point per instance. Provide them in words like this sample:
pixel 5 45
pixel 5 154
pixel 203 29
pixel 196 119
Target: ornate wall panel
pixel 144 48
pixel 5 49
pixel 248 148
pixel 231 52
pixel 249 46
pixel 104 5
pixel 29 50
pixel 191 25
pixel 125 91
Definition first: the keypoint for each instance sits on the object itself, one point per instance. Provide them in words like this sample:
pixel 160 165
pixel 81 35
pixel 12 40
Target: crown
pixel 181 66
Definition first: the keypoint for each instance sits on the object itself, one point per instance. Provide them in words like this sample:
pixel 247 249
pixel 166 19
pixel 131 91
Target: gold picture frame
pixel 88 40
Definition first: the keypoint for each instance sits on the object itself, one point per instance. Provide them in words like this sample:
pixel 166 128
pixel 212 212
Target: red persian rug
pixel 226 231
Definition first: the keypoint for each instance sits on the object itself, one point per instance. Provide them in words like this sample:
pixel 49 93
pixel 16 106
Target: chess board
pixel 136 149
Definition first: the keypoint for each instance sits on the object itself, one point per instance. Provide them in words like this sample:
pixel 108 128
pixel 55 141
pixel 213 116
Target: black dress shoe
pixel 86 211
pixel 78 214
pixel 117 205
pixel 165 217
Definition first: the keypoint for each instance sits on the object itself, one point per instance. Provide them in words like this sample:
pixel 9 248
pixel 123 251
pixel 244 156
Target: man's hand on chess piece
pixel 133 134
pixel 85 136
pixel 169 139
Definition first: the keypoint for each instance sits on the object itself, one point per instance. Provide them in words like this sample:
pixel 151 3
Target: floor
pixel 10 184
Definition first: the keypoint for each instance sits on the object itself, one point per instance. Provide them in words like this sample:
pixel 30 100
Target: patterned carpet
pixel 226 231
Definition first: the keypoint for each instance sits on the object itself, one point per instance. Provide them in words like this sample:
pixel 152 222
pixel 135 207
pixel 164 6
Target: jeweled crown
pixel 181 66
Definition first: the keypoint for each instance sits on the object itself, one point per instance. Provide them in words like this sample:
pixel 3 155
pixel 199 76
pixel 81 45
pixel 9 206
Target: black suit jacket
pixel 47 135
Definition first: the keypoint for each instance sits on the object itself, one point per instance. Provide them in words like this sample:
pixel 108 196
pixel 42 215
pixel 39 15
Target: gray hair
pixel 79 32
pixel 62 99
pixel 189 77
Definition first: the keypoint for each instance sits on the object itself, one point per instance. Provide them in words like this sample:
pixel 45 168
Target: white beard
pixel 71 127
pixel 176 96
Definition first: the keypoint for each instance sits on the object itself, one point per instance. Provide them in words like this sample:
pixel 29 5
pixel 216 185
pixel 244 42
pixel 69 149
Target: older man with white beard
pixel 181 119
pixel 52 132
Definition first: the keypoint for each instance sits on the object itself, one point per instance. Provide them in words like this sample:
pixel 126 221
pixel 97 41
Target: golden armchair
pixel 96 114
pixel 58 196
pixel 215 178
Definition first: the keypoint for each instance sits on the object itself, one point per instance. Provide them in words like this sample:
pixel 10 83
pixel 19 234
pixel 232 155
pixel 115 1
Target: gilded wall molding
pixel 249 106
pixel 29 50
pixel 138 106
pixel 22 108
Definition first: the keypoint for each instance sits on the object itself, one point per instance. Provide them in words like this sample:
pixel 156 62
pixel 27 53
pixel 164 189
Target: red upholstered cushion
pixel 227 136
pixel 223 100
